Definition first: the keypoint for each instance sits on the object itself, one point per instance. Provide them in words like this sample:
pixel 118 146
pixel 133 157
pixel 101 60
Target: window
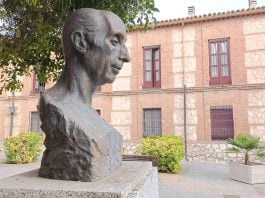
pixel 219 62
pixel 151 67
pixel 222 123
pixel 98 88
pixel 37 86
pixel 152 122
pixel 35 122
pixel 98 111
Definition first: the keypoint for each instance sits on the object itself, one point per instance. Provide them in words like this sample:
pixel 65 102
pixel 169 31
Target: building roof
pixel 210 17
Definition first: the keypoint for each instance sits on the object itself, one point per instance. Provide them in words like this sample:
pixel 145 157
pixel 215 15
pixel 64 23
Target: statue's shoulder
pixel 48 109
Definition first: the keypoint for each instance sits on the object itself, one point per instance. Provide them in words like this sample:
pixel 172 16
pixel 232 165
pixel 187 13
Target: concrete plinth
pixel 132 180
pixel 251 174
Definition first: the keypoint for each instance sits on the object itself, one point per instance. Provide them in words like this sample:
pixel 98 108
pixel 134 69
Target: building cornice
pixel 208 17
pixel 160 91
pixel 181 90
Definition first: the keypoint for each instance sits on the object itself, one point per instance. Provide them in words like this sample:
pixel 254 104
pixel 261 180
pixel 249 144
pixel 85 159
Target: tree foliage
pixel 30 34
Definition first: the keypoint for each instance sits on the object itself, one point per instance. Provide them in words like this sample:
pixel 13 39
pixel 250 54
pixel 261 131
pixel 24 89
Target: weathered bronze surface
pixel 80 145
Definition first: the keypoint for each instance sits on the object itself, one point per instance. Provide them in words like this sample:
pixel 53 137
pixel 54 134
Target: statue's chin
pixel 107 79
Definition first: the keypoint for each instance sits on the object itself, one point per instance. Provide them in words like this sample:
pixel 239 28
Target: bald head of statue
pixel 94 42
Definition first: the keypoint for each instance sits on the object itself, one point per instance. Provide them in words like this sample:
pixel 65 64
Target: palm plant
pixel 245 143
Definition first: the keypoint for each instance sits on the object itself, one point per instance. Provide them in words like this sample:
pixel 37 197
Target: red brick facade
pixel 184 60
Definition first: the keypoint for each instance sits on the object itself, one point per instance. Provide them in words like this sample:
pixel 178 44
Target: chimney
pixel 252 4
pixel 191 11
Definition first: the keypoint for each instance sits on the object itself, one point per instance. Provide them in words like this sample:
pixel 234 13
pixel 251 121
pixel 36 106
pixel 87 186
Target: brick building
pixel 202 75
pixel 220 58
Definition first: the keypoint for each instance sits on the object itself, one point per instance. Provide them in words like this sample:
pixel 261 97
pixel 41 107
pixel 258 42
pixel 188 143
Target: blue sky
pixel 172 9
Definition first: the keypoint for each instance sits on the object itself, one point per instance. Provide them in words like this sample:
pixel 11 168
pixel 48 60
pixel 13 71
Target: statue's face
pixel 106 58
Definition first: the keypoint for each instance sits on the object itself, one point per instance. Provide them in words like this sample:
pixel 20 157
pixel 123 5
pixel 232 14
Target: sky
pixel 173 9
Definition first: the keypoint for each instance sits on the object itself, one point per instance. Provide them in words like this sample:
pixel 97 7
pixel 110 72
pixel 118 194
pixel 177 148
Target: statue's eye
pixel 114 41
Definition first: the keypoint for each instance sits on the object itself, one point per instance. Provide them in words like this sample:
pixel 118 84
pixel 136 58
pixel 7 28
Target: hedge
pixel 167 149
pixel 23 148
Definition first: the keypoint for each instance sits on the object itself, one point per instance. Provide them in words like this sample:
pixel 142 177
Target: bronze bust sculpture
pixel 79 144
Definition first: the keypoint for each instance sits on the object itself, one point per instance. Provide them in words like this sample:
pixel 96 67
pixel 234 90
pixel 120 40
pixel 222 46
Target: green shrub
pixel 246 143
pixel 167 149
pixel 23 148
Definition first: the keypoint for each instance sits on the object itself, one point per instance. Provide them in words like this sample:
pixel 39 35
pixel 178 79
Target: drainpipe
pixel 185 122
pixel 12 112
pixel 184 97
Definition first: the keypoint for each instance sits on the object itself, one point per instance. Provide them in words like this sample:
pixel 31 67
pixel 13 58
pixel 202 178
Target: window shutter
pixel 148 77
pixel 34 83
pixel 35 122
pixel 152 68
pixel 219 62
pixel 222 124
pixel 156 67
pixel 152 122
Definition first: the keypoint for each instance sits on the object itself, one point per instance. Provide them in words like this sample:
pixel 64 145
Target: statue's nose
pixel 124 55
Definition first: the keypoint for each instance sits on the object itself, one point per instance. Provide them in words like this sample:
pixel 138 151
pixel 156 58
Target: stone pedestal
pixel 133 179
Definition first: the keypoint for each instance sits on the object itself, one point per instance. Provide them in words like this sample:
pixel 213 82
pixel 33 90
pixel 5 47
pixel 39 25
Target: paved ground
pixel 206 180
pixel 197 180
pixel 7 170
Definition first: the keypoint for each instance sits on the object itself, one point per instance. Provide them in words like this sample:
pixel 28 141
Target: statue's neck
pixel 77 83
pixel 84 86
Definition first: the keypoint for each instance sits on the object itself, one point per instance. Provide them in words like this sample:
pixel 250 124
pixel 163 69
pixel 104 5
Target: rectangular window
pixel 98 111
pixel 219 61
pixel 151 67
pixel 152 122
pixel 222 123
pixel 35 122
pixel 37 86
pixel 98 88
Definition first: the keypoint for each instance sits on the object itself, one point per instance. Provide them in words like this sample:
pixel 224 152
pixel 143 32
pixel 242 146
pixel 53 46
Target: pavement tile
pixel 207 180
pixel 196 180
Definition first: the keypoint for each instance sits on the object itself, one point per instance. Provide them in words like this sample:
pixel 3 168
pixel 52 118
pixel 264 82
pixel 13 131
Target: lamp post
pixel 12 111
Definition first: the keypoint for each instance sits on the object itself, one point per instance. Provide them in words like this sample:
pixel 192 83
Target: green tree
pixel 246 143
pixel 30 34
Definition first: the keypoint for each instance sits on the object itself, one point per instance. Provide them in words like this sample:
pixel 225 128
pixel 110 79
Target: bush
pixel 23 148
pixel 168 150
pixel 246 143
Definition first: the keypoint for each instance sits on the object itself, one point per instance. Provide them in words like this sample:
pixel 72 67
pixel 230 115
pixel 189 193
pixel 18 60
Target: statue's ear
pixel 79 41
